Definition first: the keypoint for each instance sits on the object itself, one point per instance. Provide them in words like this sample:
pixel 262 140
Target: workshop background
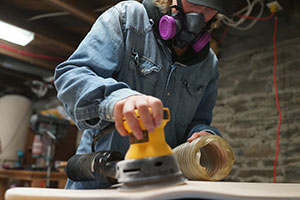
pixel 257 108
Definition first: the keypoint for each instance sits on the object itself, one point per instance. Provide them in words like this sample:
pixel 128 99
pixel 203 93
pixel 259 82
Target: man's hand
pixel 197 135
pixel 125 108
pixel 214 150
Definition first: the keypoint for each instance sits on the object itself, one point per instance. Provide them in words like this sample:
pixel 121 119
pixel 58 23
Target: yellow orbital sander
pixel 149 162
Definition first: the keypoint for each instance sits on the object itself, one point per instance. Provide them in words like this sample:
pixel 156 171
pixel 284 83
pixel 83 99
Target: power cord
pixel 238 22
pixel 273 9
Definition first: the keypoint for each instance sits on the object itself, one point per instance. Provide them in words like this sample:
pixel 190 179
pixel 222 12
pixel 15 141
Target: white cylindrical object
pixel 15 112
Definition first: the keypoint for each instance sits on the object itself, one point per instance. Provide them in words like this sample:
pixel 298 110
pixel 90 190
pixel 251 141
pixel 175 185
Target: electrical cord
pixel 30 54
pixel 246 12
pixel 277 99
pixel 256 18
pixel 223 35
pixel 244 17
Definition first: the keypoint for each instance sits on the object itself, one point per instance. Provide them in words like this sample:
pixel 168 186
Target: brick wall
pixel 247 116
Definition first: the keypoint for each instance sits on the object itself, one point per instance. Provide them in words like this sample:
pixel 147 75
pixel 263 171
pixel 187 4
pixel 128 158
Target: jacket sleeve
pixel 84 82
pixel 203 116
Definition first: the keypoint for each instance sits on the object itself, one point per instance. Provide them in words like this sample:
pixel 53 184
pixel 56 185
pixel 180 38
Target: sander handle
pixel 87 167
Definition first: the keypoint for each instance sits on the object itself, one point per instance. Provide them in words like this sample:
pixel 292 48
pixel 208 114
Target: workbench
pixel 36 178
pixel 190 190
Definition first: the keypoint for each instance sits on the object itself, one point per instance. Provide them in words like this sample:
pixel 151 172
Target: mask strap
pixel 179 5
pixel 176 7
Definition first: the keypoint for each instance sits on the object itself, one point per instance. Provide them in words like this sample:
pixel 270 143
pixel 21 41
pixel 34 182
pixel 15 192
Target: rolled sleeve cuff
pixel 107 105
pixel 104 111
pixel 202 127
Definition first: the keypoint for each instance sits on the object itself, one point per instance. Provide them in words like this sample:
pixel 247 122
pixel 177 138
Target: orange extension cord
pixel 277 100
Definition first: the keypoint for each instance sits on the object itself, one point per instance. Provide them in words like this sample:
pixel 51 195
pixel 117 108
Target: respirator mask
pixel 185 28
pixel 190 28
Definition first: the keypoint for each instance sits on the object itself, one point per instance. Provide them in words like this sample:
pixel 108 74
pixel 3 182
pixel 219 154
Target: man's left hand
pixel 215 149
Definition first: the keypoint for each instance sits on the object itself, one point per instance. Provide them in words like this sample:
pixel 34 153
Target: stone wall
pixel 247 116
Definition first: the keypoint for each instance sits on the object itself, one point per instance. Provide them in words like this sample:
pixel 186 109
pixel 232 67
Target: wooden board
pixel 191 189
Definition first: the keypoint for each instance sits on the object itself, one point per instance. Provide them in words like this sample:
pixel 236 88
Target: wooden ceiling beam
pixel 76 10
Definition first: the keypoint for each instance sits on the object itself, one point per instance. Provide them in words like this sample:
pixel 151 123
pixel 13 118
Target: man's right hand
pixel 125 109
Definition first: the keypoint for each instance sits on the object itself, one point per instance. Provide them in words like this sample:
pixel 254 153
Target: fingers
pixel 118 115
pixel 130 116
pixel 125 109
pixel 157 111
pixel 197 135
pixel 145 115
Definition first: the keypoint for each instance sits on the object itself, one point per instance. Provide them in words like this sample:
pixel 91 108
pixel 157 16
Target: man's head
pixel 189 22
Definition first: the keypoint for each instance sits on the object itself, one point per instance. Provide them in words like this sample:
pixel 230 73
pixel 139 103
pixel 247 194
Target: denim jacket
pixel 120 57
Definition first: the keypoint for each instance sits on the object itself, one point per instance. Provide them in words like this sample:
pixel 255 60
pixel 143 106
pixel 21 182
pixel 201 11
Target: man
pixel 138 56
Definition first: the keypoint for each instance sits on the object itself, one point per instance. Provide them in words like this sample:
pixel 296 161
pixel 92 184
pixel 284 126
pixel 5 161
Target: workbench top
pixel 191 189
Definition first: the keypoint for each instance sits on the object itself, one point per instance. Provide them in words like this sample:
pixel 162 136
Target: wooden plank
pixel 190 190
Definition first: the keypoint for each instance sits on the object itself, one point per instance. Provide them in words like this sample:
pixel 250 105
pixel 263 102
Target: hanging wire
pixel 246 12
pixel 277 99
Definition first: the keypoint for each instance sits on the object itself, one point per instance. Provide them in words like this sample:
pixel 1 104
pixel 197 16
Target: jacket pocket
pixel 143 64
pixel 195 89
